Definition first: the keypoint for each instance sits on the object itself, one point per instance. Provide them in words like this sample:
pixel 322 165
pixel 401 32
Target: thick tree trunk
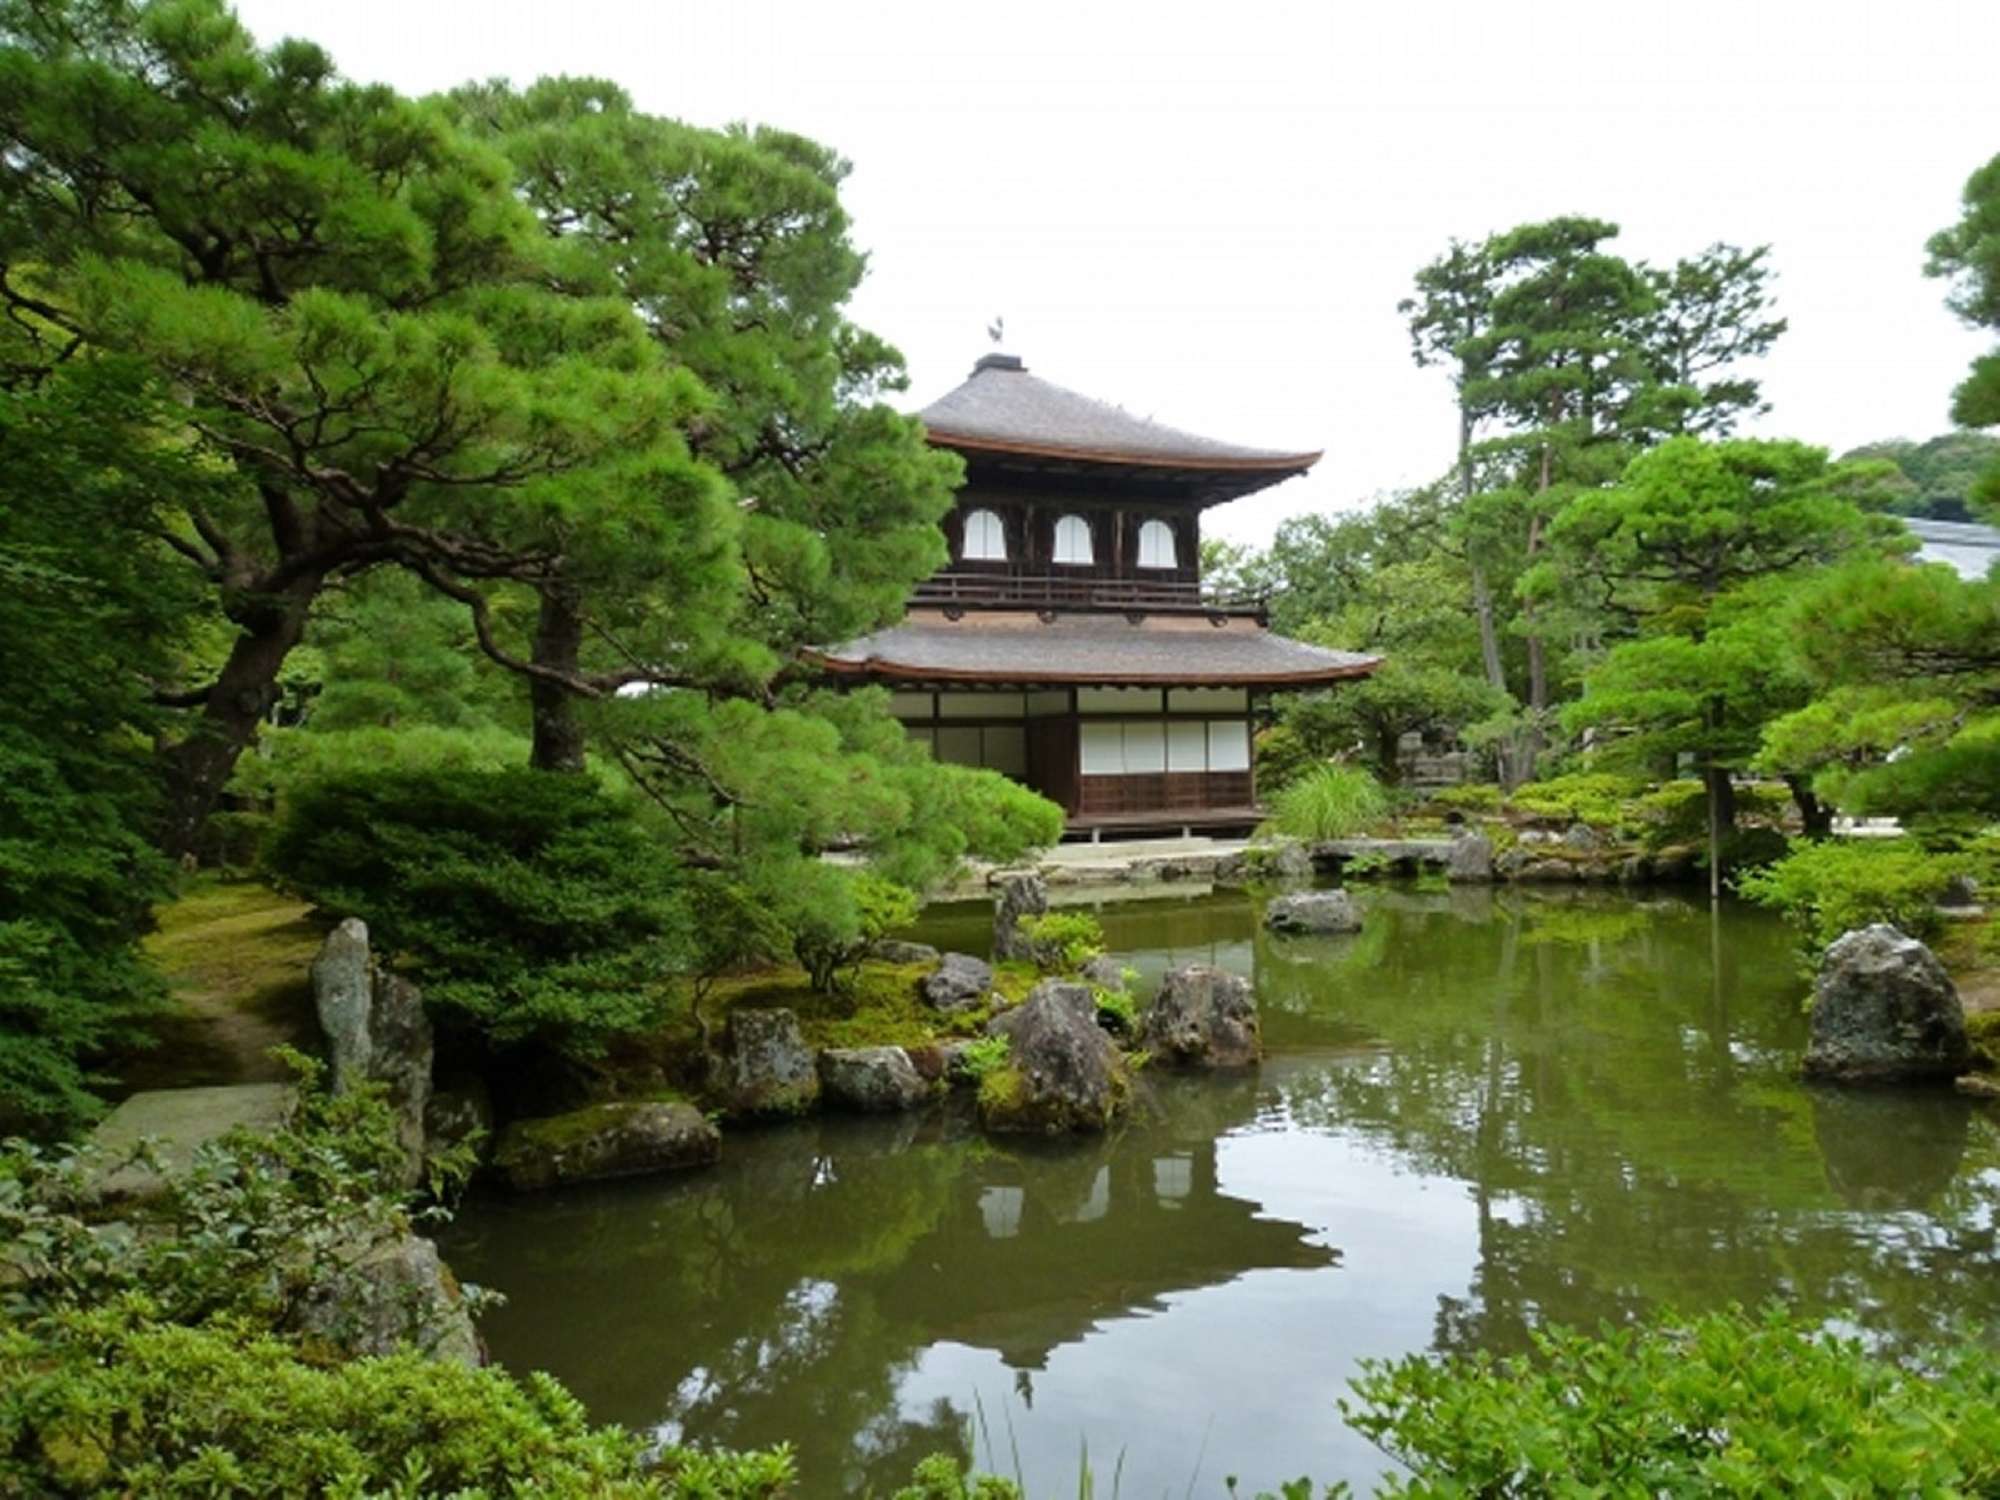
pixel 1815 816
pixel 559 740
pixel 196 769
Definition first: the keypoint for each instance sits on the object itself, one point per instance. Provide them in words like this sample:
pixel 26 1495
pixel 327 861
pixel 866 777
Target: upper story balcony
pixel 1157 590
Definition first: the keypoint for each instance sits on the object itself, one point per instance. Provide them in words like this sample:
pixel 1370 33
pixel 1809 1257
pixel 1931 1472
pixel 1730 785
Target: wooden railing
pixel 1177 592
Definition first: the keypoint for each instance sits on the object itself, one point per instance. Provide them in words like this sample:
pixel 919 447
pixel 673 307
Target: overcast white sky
pixel 1207 213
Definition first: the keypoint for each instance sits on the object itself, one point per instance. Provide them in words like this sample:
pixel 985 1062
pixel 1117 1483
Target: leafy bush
pixel 1329 802
pixel 1827 889
pixel 1727 1404
pixel 1470 797
pixel 166 1362
pixel 1282 756
pixel 529 905
pixel 1593 797
pixel 942 1477
pixel 849 911
pixel 1062 942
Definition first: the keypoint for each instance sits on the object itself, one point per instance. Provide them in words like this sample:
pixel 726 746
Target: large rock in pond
pixel 872 1080
pixel 1885 1011
pixel 1021 894
pixel 606 1140
pixel 393 1295
pixel 1303 913
pixel 1203 1017
pixel 959 982
pixel 766 1068
pixel 1062 1072
pixel 376 1033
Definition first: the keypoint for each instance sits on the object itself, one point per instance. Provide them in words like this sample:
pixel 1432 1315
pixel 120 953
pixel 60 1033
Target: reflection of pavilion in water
pixel 1045 1245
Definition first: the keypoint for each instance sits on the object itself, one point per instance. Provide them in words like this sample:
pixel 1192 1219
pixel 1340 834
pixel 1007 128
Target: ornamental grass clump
pixel 1329 802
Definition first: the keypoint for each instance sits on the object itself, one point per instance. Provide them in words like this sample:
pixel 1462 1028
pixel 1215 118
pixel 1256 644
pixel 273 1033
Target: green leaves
pixel 1727 1404
pixel 531 905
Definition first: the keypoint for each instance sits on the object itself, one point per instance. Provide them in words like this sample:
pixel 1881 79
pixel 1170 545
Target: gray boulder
pixel 606 1140
pixel 1300 913
pixel 1062 1073
pixel 872 1080
pixel 1203 1017
pixel 959 982
pixel 1471 858
pixel 388 1296
pixel 376 1032
pixel 766 1067
pixel 1885 1011
pixel 1104 971
pixel 1284 862
pixel 1021 894
pixel 896 951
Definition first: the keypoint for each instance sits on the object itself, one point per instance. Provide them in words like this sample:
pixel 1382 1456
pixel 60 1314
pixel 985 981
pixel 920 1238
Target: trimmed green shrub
pixel 1062 942
pixel 1470 797
pixel 846 913
pixel 1593 797
pixel 531 906
pixel 1731 1403
pixel 1827 889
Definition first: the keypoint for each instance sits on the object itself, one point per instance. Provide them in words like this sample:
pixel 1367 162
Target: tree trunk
pixel 1815 816
pixel 559 741
pixel 1721 820
pixel 196 769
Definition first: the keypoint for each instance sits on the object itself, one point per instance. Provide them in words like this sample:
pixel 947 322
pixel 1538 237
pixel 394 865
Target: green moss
pixel 1983 1031
pixel 1003 1095
pixel 237 944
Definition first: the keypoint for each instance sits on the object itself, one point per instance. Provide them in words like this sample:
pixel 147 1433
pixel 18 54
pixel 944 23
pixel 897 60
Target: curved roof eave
pixel 1283 465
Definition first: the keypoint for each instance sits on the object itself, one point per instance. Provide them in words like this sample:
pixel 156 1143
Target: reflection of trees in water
pixel 1632 1132
pixel 1619 1097
pixel 734 1308
pixel 787 1295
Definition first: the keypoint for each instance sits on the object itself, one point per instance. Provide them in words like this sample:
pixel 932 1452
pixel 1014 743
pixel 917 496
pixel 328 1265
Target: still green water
pixel 1490 1110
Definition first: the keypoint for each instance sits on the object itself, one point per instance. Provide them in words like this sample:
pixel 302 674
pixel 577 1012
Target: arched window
pixel 1156 545
pixel 985 538
pixel 1073 541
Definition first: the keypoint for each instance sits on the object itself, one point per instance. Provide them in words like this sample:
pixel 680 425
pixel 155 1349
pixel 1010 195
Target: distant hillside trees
pixel 1939 477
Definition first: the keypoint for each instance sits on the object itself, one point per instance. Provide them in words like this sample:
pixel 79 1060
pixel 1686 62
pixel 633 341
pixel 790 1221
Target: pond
pixel 1490 1110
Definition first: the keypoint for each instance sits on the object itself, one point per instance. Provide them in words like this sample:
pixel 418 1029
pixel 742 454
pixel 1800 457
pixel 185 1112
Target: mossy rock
pixel 605 1140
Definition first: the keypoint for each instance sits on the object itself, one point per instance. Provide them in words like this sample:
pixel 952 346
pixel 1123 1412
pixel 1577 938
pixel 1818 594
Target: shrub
pixel 1472 797
pixel 1727 1404
pixel 1594 797
pixel 1329 802
pixel 165 1363
pixel 1827 889
pixel 1062 942
pixel 531 906
pixel 851 911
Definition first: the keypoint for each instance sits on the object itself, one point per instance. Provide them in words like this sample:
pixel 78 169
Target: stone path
pixel 180 1121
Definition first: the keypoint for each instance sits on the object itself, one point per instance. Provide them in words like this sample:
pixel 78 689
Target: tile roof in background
pixel 1022 648
pixel 1003 408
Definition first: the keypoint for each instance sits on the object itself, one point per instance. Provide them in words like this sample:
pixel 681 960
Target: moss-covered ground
pixel 237 954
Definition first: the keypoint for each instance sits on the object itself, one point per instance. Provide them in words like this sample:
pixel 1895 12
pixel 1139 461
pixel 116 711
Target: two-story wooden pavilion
pixel 1067 642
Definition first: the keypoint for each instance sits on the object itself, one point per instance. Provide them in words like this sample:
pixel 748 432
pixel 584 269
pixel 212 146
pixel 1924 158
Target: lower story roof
pixel 1023 648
